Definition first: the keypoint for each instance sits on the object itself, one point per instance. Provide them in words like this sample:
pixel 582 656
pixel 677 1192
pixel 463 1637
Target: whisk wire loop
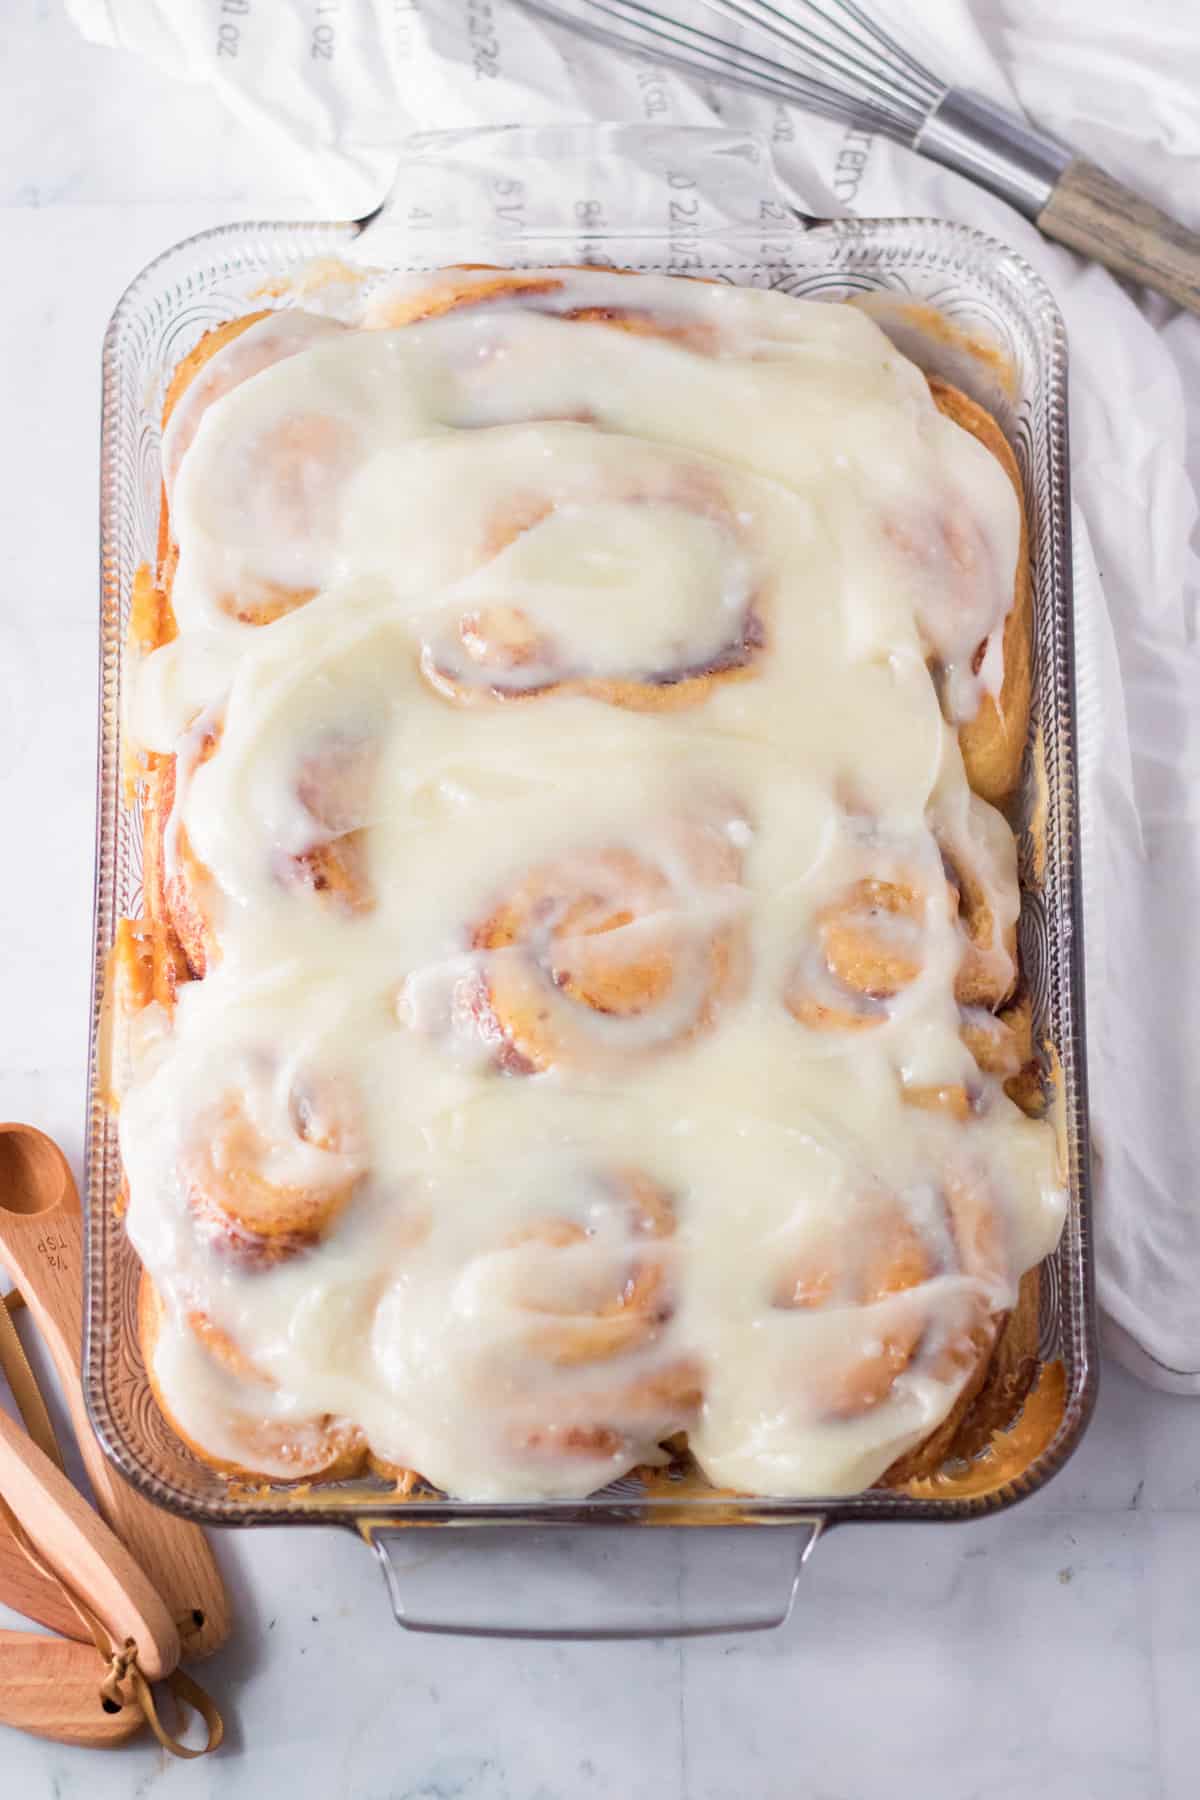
pixel 672 38
pixel 866 56
pixel 829 55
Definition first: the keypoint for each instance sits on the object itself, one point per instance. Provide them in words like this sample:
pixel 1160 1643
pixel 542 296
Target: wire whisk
pixel 834 57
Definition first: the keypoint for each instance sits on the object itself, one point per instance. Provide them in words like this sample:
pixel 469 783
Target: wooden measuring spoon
pixel 52 1688
pixel 41 1245
pixel 79 1546
pixel 29 1593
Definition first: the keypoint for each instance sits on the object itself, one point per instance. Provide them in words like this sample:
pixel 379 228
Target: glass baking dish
pixel 690 202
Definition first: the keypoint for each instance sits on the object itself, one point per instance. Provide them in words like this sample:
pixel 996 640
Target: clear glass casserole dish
pixel 961 305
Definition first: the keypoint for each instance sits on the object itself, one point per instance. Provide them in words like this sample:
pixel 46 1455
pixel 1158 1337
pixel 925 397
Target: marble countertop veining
pixel 1053 1650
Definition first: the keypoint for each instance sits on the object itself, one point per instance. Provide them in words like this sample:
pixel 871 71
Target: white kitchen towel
pixel 335 84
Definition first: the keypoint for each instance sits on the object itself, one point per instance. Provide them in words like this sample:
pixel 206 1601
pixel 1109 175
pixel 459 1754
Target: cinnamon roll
pixel 558 1318
pixel 257 1444
pixel 869 947
pixel 330 786
pixel 626 576
pixel 287 482
pixel 880 1275
pixel 992 737
pixel 267 1176
pixel 178 887
pixel 611 1302
pixel 874 938
pixel 611 953
pixel 972 618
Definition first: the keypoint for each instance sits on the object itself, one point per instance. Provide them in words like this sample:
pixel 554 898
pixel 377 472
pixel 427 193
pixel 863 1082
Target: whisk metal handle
pixel 1067 197
pixel 993 148
pixel 1103 219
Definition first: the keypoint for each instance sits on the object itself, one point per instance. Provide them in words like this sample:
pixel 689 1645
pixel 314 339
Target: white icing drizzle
pixel 693 1215
pixel 267 341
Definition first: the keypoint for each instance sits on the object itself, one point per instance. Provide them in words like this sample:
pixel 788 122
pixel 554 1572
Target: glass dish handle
pixel 583 193
pixel 602 1582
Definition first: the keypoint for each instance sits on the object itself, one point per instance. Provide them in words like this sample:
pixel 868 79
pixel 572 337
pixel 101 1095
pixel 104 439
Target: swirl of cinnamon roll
pixel 559 1321
pixel 222 360
pixel 593 1313
pixel 287 482
pixel 870 949
pixel 877 934
pixel 624 574
pixel 259 1440
pixel 610 952
pixel 284 487
pixel 330 787
pixel 266 1176
pixel 881 1288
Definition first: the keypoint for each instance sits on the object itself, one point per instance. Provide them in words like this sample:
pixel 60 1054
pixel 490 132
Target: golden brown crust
pixel 173 943
pixel 1003 1046
pixel 151 621
pixel 176 902
pixel 934 1450
pixel 146 966
pixel 992 1399
pixel 993 742
pixel 324 1449
pixel 452 294
pixel 181 379
pixel 212 341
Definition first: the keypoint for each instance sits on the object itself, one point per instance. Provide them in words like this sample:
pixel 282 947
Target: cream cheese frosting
pixel 420 569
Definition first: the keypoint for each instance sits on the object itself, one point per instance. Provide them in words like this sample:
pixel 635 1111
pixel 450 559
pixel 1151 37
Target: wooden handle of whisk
pixel 1107 221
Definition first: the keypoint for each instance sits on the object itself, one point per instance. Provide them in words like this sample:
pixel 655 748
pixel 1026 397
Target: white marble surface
pixel 1053 1651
